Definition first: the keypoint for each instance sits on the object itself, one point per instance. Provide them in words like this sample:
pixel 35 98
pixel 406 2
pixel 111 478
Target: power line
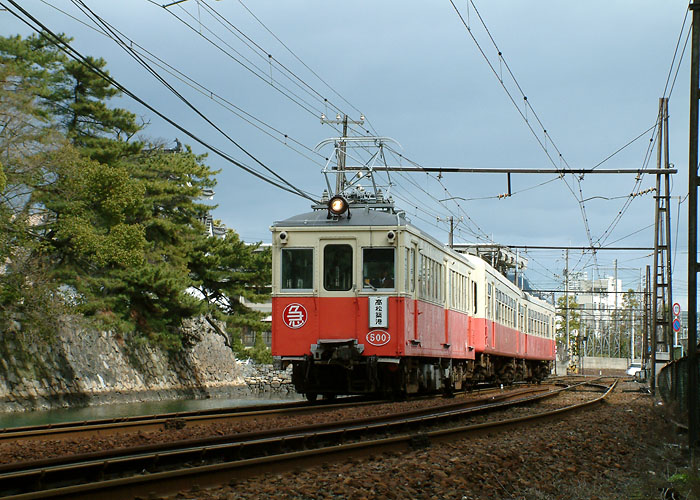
pixel 244 115
pixel 675 52
pixel 523 114
pixel 98 20
pixel 65 47
pixel 303 63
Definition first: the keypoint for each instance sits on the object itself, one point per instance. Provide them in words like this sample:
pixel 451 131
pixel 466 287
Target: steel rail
pixel 102 427
pixel 160 448
pixel 240 451
pixel 164 421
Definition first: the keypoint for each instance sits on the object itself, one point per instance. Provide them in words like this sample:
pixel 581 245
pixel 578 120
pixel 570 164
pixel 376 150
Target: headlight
pixel 337 205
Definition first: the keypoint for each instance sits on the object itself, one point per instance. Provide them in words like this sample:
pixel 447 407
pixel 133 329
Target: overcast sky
pixel 593 73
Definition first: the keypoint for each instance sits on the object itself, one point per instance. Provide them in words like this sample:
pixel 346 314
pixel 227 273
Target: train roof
pixel 360 216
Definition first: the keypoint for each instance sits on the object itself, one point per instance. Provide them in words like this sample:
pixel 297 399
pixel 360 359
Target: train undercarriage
pixel 345 371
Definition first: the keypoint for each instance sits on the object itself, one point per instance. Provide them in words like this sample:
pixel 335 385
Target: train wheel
pixel 329 397
pixel 311 396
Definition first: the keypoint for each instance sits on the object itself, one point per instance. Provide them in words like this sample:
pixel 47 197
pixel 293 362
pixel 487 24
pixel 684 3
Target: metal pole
pixel 452 232
pixel 657 232
pixel 645 340
pixel 632 340
pixel 566 295
pixel 693 233
pixel 340 179
pixel 667 201
pixel 616 325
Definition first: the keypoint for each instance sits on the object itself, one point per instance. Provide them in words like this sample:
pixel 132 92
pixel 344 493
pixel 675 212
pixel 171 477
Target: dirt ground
pixel 626 448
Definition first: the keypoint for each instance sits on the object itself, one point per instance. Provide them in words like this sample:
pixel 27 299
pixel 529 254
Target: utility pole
pixel 452 232
pixel 693 234
pixel 566 295
pixel 340 179
pixel 632 340
pixel 341 147
pixel 647 315
pixel 660 315
pixel 616 326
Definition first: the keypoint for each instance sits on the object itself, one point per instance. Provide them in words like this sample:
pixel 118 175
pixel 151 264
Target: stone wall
pixel 263 378
pixel 84 367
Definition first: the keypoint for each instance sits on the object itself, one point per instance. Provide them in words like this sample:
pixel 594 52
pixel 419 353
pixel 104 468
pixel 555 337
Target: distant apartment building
pixel 597 299
pixel 683 333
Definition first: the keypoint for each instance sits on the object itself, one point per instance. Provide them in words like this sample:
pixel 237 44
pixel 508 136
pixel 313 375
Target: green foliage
pixel 226 270
pixel 30 300
pixel 260 353
pixel 3 179
pixel 92 220
pixel 237 344
pixel 564 303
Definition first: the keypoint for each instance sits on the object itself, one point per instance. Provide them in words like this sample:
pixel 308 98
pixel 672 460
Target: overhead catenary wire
pixel 36 25
pixel 451 207
pixel 523 113
pixel 652 141
pixel 250 67
pixel 303 63
pixel 101 22
pixel 390 183
pixel 244 115
pixel 231 27
pixel 675 53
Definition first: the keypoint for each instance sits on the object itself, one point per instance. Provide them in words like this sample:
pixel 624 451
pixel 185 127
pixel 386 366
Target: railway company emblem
pixel 294 316
pixel 378 338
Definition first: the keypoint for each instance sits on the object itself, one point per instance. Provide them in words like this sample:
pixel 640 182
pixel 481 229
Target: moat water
pixel 20 419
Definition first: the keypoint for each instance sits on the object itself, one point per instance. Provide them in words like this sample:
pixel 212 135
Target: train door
pixel 339 309
pixel 412 284
pixel 491 322
pixel 448 284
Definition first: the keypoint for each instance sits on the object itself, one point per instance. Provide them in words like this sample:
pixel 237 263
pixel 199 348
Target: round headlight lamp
pixel 337 205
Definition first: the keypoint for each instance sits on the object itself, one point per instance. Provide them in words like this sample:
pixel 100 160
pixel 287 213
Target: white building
pixel 598 300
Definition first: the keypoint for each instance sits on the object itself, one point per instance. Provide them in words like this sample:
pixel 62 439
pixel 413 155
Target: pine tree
pixel 116 226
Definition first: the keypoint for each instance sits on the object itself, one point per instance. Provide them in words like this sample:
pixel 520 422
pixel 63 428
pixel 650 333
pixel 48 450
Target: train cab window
pixel 337 267
pixel 378 268
pixel 297 268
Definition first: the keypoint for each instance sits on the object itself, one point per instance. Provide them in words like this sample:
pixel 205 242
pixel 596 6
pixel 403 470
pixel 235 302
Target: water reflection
pixel 20 419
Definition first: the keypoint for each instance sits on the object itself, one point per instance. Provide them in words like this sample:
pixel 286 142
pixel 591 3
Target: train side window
pixel 474 296
pixel 489 303
pixel 337 267
pixel 297 268
pixel 412 268
pixel 378 268
pixel 406 272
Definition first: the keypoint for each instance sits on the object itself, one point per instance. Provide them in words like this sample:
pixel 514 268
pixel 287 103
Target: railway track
pixel 180 420
pixel 165 421
pixel 177 466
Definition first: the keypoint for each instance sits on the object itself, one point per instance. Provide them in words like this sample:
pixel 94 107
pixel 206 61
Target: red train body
pixel 370 304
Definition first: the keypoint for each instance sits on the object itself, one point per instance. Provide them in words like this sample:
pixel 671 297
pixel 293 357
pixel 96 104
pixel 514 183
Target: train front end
pixel 336 301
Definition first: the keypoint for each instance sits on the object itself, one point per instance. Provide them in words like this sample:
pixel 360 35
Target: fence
pixel 672 383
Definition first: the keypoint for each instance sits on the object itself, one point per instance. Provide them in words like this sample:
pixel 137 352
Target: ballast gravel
pixel 625 448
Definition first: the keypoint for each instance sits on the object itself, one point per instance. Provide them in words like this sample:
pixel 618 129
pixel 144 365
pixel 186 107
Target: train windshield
pixel 337 268
pixel 297 268
pixel 378 268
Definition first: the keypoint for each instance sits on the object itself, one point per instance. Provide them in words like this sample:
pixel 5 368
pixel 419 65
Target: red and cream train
pixel 363 302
